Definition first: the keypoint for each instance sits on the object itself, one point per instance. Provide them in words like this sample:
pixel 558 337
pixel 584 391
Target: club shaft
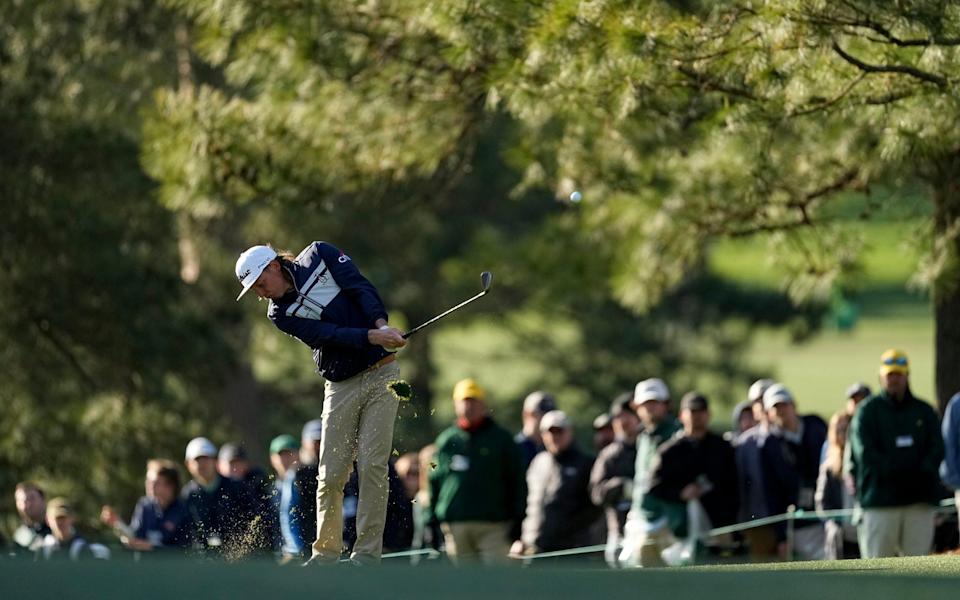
pixel 443 314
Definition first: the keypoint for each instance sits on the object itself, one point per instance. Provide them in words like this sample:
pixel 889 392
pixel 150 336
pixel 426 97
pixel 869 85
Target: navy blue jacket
pixel 790 470
pixel 226 513
pixel 168 528
pixel 330 309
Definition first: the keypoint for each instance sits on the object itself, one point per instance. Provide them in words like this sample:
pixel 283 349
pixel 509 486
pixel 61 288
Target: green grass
pixel 915 578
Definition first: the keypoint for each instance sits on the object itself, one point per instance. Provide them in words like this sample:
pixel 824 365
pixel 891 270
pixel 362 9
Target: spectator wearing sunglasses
pixel 896 453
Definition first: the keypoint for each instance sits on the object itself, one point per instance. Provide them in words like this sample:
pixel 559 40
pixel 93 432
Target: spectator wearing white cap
pixel 651 398
pixel 221 510
pixel 762 540
pixel 535 405
pixel 560 514
pixel 791 465
pixel 321 298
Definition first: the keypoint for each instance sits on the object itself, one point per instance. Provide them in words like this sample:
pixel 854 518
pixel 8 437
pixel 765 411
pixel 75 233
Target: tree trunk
pixel 946 289
pixel 242 407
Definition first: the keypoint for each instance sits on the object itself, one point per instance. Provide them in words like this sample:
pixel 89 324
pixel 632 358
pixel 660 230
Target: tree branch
pixel 43 326
pixel 704 83
pixel 901 69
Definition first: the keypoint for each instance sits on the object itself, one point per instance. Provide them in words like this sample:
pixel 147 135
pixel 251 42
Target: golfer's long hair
pixel 285 256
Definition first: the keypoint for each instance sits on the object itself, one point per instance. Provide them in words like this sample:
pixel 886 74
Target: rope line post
pixel 791 515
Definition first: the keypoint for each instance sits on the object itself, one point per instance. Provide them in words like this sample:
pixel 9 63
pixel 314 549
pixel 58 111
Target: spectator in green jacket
pixel 651 398
pixel 477 491
pixel 896 454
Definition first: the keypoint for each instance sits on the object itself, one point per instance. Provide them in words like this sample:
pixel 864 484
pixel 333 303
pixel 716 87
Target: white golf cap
pixel 554 418
pixel 651 389
pixel 251 264
pixel 756 390
pixel 200 446
pixel 776 394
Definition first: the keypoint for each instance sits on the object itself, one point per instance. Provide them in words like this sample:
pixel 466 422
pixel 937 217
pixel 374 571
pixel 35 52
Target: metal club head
pixel 486 278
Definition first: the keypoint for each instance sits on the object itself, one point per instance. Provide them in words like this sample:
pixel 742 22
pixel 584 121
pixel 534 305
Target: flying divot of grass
pixel 401 390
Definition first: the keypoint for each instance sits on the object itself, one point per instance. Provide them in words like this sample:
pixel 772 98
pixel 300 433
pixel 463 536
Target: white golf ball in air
pixel 576 196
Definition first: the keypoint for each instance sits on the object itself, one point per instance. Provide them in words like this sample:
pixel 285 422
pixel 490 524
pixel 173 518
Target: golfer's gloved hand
pixel 390 338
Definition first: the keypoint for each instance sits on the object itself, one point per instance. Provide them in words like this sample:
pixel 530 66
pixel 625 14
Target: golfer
pixel 322 299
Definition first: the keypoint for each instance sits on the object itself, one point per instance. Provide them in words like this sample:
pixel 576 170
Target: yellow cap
pixel 468 388
pixel 894 361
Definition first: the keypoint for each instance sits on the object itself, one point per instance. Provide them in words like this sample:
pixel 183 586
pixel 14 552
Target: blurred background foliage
pixel 760 181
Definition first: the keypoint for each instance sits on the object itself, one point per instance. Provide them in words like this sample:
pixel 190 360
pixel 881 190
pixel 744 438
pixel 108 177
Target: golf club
pixel 486 278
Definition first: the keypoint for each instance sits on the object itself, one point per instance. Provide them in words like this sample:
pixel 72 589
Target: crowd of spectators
pixel 866 484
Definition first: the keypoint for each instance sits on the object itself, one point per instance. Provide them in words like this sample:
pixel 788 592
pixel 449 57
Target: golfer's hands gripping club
pixel 390 338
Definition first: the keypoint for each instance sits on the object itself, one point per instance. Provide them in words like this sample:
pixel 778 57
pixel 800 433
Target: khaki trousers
pixel 903 530
pixel 473 541
pixel 358 418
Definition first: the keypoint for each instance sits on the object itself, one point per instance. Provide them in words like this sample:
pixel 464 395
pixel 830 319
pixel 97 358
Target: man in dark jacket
pixel 560 514
pixel 221 510
pixel 896 451
pixel 791 465
pixel 322 299
pixel 477 490
pixel 611 480
pixel 696 464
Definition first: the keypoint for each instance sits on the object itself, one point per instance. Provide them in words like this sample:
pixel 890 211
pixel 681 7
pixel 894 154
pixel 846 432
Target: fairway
pixel 934 577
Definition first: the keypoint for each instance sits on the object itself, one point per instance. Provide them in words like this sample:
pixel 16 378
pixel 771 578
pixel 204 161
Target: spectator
pixel 651 399
pixel 832 493
pixel 408 469
pixel 426 530
pixel 160 518
pixel 398 526
pixel 748 449
pixel 950 469
pixel 611 479
pixel 695 464
pixel 560 514
pixel 743 419
pixel 63 541
pixel 791 465
pixel 287 500
pixel 221 509
pixel 307 472
pixel 856 393
pixel 234 463
pixel 32 508
pixel 310 442
pixel 477 491
pixel 602 432
pixel 535 405
pixel 896 451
